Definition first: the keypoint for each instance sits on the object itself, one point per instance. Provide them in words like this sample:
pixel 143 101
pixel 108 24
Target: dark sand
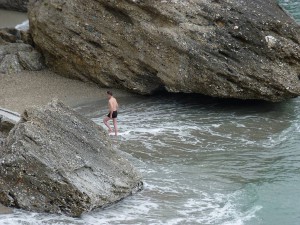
pixel 5 210
pixel 26 89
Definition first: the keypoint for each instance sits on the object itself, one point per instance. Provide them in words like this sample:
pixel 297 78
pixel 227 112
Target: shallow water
pixel 11 18
pixel 293 7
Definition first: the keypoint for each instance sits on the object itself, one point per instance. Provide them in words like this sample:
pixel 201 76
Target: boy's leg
pixel 105 121
pixel 115 126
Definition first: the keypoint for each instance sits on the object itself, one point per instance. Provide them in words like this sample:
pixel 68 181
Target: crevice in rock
pixel 220 23
pixel 161 89
pixel 159 18
pixel 119 14
pixel 227 77
pixel 241 39
pixel 15 201
pixel 228 55
pixel 31 139
pixel 25 116
pixel 95 44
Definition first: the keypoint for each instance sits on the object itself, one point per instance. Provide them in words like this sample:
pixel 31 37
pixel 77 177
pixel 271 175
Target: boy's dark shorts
pixel 114 114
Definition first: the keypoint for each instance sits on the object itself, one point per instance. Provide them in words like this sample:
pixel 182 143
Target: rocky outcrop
pixel 230 48
pixel 18 5
pixel 55 160
pixel 17 53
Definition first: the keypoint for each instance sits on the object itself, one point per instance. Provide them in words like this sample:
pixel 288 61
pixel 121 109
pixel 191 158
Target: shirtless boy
pixel 113 113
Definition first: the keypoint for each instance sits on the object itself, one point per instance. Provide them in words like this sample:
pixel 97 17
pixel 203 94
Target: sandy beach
pixel 5 210
pixel 26 89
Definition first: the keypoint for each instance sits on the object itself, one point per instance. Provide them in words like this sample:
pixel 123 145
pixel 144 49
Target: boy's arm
pixel 110 109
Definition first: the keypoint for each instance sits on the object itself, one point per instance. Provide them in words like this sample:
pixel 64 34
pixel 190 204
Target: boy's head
pixel 109 93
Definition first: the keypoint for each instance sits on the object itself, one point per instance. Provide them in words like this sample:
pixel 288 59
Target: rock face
pixel 18 5
pixel 16 53
pixel 228 48
pixel 54 160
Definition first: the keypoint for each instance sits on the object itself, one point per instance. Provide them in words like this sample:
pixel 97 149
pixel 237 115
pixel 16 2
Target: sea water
pixel 11 18
pixel 292 7
pixel 203 161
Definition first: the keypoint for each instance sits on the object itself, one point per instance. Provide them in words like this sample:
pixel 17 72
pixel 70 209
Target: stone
pixel 17 5
pixel 17 53
pixel 271 41
pixel 31 60
pixel 10 35
pixel 10 64
pixel 215 48
pixel 55 160
pixel 13 35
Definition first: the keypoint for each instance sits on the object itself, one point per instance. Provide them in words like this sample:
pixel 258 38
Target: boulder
pixel 229 49
pixel 17 53
pixel 55 160
pixel 17 5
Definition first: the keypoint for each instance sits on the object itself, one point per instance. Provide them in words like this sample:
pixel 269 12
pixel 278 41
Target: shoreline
pixel 36 88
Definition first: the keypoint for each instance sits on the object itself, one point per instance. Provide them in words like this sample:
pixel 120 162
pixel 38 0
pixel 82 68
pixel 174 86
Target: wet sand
pixel 26 89
pixel 5 210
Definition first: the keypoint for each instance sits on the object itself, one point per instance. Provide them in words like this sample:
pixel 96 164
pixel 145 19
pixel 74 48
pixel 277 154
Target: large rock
pixel 17 53
pixel 229 48
pixel 18 5
pixel 55 160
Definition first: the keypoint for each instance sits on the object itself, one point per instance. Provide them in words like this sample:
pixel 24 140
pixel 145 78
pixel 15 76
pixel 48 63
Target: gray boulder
pixel 55 160
pixel 229 48
pixel 16 53
pixel 17 5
